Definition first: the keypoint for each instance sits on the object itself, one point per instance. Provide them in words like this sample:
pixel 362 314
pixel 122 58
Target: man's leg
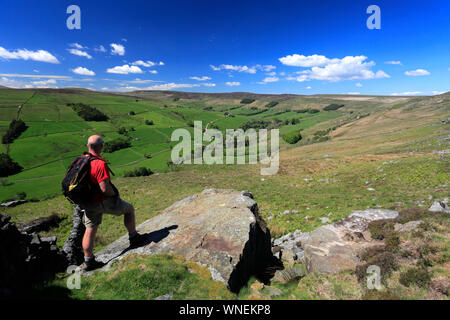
pixel 129 220
pixel 88 241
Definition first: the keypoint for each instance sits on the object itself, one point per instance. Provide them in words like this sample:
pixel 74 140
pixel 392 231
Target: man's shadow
pixel 154 236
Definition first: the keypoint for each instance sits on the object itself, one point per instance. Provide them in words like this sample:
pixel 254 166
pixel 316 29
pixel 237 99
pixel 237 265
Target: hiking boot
pixel 89 265
pixel 138 240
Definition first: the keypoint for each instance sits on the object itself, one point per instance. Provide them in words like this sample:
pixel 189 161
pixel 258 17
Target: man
pixel 105 200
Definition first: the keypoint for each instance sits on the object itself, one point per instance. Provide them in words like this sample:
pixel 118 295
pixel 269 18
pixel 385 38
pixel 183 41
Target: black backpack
pixel 76 185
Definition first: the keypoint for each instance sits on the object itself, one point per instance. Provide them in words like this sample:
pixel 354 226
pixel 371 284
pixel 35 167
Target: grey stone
pixel 273 291
pixel 439 206
pixel 12 203
pixel 73 245
pixel 167 296
pixel 285 276
pixel 407 227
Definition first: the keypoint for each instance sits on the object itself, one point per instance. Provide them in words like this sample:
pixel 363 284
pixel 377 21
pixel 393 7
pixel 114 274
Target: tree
pixel 8 166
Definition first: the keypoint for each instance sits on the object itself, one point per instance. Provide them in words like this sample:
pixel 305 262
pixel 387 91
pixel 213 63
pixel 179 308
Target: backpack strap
pixel 91 157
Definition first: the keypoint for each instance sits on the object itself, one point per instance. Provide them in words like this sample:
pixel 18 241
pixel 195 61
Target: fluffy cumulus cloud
pixel 323 68
pixel 117 49
pixel 417 72
pixel 83 71
pixel 246 69
pixel 231 84
pixel 80 53
pixel 125 69
pixel 200 78
pixel 359 85
pixel 298 60
pixel 24 54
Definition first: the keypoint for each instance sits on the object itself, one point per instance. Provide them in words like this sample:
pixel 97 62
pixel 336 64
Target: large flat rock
pixel 221 229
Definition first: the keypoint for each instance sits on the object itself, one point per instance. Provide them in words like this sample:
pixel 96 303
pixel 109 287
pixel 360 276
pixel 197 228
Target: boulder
pixel 333 248
pixel 439 206
pixel 218 228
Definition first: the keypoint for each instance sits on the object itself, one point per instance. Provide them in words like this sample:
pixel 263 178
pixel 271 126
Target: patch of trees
pixel 116 144
pixel 149 122
pixel 247 101
pixel 132 113
pixel 261 124
pixel 209 108
pixel 291 121
pixel 333 106
pixel 16 127
pixel 271 104
pixel 139 172
pixel 307 110
pixel 87 112
pixel 292 137
pixel 8 166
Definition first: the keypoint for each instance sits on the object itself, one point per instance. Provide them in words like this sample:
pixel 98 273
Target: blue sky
pixel 300 47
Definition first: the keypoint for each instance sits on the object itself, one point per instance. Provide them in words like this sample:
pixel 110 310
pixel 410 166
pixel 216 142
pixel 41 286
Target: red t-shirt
pixel 99 172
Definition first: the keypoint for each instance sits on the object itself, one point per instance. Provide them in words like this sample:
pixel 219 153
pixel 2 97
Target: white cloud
pixel 16 75
pixel 353 93
pixel 43 83
pixel 80 53
pixel 417 72
pixel 347 68
pixel 394 62
pixel 407 93
pixel 77 45
pixel 117 49
pixel 437 92
pixel 24 54
pixel 266 68
pixel 200 78
pixel 100 49
pixel 231 84
pixel 359 85
pixel 125 69
pixel 308 87
pixel 143 63
pixel 83 71
pixel 234 68
pixel 272 74
pixel 297 60
pixel 246 69
pixel 269 79
pixel 209 84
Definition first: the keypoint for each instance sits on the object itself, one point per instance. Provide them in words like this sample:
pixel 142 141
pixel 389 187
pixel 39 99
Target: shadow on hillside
pixel 154 236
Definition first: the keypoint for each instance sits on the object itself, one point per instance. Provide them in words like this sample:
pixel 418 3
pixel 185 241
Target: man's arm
pixel 106 188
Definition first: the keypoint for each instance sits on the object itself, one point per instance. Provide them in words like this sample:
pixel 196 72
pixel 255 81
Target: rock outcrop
pixel 221 229
pixel 26 259
pixel 334 247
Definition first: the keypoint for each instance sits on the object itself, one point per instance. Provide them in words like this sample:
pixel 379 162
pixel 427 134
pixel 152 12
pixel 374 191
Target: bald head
pixel 95 143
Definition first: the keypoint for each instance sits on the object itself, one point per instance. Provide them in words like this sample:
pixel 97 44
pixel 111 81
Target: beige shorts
pixel 93 212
